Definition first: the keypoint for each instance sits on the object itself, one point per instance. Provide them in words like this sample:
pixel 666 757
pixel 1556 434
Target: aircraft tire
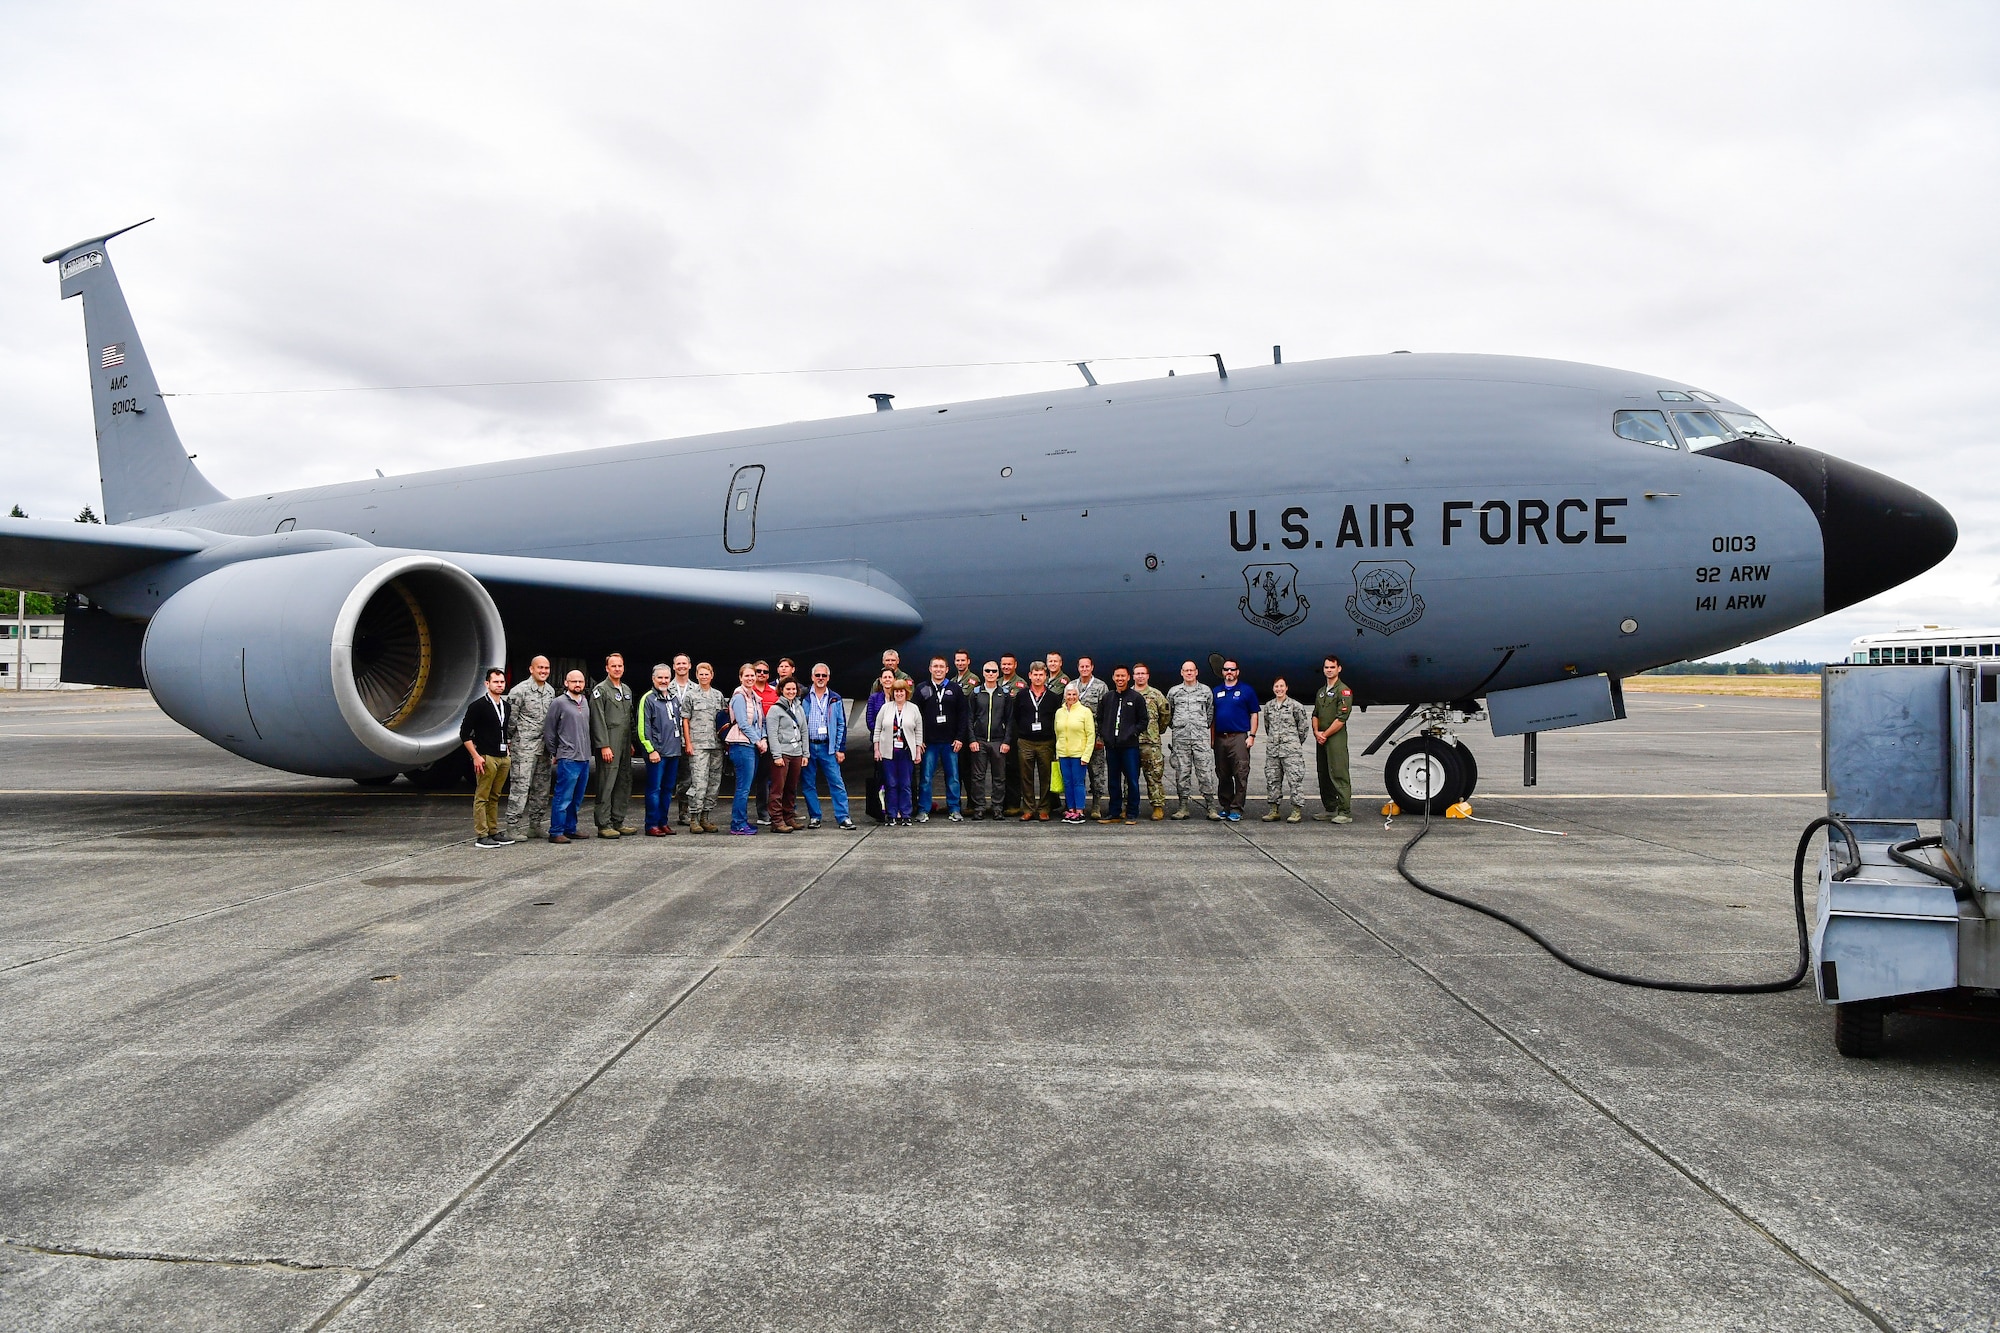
pixel 1421 761
pixel 1858 1029
pixel 1465 757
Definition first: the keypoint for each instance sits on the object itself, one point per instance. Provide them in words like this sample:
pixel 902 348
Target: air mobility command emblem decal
pixel 1383 597
pixel 1271 597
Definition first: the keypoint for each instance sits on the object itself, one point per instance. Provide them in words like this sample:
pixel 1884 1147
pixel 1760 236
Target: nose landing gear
pixel 1432 768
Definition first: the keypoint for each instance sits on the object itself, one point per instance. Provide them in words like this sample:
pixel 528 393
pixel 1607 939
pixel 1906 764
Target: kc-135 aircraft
pixel 1463 531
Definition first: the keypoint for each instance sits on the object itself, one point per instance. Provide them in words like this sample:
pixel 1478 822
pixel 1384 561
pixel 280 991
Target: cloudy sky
pixel 1794 204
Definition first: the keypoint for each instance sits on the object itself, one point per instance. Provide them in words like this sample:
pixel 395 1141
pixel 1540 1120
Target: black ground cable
pixel 1900 854
pixel 1654 983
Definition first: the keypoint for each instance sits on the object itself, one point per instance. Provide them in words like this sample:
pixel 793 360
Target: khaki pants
pixel 1037 758
pixel 486 797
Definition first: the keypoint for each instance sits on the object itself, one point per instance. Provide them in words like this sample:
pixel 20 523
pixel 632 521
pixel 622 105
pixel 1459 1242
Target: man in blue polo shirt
pixel 1235 732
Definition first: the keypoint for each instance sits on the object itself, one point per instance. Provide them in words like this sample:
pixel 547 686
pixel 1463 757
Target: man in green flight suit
pixel 613 710
pixel 1330 710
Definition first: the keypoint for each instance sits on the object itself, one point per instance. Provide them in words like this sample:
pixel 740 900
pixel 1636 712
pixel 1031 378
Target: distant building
pixel 37 659
pixel 1924 643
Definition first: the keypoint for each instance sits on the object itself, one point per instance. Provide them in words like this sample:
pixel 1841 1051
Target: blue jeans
pixel 743 758
pixel 1076 776
pixel 570 777
pixel 1122 761
pixel 896 779
pixel 936 757
pixel 664 772
pixel 821 761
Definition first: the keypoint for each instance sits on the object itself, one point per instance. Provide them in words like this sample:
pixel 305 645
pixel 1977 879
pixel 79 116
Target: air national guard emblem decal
pixel 1271 597
pixel 1382 598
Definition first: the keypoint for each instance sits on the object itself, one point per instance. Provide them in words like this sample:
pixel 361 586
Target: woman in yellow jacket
pixel 1076 740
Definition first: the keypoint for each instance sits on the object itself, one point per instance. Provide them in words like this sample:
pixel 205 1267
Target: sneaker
pixel 1235 816
pixel 501 839
pixel 1343 819
pixel 1322 818
pixel 955 817
pixel 747 831
pixel 763 819
pixel 847 826
pixel 812 823
pixel 484 840
pixel 922 819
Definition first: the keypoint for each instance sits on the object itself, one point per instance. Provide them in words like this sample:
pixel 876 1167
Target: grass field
pixel 1756 687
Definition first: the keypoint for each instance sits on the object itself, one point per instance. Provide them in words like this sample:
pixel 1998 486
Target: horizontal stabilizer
pixel 46 555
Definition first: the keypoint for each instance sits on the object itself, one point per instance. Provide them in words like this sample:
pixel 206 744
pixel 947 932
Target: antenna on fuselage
pixel 1088 378
pixel 882 401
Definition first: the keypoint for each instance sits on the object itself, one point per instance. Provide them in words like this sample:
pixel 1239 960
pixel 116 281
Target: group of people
pixel 985 743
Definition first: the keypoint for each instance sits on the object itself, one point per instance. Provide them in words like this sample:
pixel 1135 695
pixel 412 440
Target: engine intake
pixel 345 663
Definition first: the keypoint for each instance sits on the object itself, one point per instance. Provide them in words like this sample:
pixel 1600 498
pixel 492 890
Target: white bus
pixel 1924 643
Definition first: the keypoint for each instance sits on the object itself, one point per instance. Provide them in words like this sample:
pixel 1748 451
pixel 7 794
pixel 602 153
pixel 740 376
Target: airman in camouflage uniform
pixel 1090 692
pixel 1151 762
pixel 703 702
pixel 529 781
pixel 1288 746
pixel 1190 740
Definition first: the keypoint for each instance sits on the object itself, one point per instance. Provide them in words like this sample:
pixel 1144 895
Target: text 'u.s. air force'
pixel 1570 522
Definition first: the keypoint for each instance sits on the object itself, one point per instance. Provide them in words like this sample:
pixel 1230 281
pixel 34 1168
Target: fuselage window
pixel 1745 424
pixel 1644 427
pixel 1700 429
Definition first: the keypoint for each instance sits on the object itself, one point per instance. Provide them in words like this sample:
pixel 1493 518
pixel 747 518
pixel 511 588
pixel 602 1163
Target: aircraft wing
pixel 595 598
pixel 47 555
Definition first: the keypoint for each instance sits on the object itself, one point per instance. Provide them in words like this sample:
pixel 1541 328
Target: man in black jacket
pixel 942 705
pixel 990 737
pixel 1035 740
pixel 484 735
pixel 1121 725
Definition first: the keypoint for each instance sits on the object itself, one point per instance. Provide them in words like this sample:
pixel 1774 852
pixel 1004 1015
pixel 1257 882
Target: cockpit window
pixel 1700 429
pixel 1673 396
pixel 1701 397
pixel 1754 427
pixel 1644 427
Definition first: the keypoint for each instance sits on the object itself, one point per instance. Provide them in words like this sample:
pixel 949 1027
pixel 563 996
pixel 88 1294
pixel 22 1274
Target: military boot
pixel 1298 815
pixel 1272 816
pixel 1180 811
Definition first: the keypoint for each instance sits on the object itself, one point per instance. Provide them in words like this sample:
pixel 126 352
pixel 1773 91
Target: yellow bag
pixel 1055 778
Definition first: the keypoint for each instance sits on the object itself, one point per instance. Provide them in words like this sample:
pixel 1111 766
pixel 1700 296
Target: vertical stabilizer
pixel 140 461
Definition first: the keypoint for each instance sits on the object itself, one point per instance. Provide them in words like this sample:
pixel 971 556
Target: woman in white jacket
pixel 899 747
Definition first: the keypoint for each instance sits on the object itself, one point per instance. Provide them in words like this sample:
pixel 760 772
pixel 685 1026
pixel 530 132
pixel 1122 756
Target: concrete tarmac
pixel 282 1053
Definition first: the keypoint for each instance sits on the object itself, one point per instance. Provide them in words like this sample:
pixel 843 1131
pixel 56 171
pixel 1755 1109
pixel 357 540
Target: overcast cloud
pixel 1794 205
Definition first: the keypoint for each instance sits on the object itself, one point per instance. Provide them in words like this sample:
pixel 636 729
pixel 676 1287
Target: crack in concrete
pixel 1713 1192
pixel 367 1276
pixel 274 1263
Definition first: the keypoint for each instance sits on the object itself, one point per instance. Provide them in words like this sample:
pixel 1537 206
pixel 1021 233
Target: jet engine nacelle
pixel 349 663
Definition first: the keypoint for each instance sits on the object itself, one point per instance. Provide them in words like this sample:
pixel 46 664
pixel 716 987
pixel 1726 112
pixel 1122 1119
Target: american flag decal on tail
pixel 114 355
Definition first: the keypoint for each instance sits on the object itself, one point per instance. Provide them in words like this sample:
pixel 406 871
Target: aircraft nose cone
pixel 1876 531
